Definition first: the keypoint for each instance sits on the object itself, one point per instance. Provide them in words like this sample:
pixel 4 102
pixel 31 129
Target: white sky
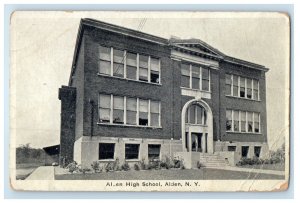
pixel 42 46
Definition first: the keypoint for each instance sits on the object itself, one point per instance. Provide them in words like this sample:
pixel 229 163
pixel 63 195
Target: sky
pixel 42 48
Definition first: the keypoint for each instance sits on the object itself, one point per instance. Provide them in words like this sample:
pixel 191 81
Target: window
pixel 245 150
pixel 195 77
pixel 104 108
pixel 105 60
pixel 131 107
pixel 235 86
pixel 196 114
pixel 153 151
pixel 154 67
pixel 118 64
pixel 185 75
pixel 231 148
pixel 229 120
pixel 154 113
pixel 205 79
pixel 118 112
pixel 143 113
pixel 250 122
pixel 255 90
pixel 143 68
pixel 138 67
pixel 249 88
pixel 131 66
pixel 132 151
pixel 256 122
pixel 106 151
pixel 243 121
pixel 228 82
pixel 242 87
pixel 257 151
pixel 236 121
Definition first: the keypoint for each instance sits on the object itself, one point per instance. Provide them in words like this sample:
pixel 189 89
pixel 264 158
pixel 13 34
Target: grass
pixel 25 169
pixel 187 174
pixel 276 167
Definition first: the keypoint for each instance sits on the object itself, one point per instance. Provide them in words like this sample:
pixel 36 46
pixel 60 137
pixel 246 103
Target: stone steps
pixel 208 160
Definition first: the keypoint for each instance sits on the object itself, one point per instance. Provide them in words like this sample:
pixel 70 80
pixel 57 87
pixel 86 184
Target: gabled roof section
pixel 196 45
pixel 199 47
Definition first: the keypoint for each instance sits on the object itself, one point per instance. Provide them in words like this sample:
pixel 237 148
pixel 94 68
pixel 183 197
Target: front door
pixel 196 142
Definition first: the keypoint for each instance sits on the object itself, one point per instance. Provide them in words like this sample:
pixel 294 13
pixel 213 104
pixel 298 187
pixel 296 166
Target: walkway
pixel 251 170
pixel 42 173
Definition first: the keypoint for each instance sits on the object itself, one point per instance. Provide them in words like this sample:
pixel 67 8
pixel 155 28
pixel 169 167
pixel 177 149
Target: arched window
pixel 196 114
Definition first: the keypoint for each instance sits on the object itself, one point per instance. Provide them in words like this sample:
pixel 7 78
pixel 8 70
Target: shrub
pixel 143 165
pixel 136 167
pixel 125 167
pixel 95 166
pixel 116 165
pixel 176 163
pixel 84 170
pixel 109 166
pixel 73 167
pixel 169 164
pixel 199 165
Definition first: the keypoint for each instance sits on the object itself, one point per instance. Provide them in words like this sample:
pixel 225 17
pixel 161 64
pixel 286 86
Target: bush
pixel 125 167
pixel 143 165
pixel 96 166
pixel 169 163
pixel 136 167
pixel 109 166
pixel 199 165
pixel 73 167
pixel 84 170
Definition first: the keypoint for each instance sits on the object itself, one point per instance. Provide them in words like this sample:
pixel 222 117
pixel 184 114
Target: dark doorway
pixel 196 142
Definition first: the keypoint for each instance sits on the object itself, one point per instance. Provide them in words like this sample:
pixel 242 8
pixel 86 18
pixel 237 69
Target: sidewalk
pixel 251 170
pixel 42 173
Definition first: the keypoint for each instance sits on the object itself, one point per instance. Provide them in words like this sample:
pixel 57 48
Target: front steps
pixel 208 160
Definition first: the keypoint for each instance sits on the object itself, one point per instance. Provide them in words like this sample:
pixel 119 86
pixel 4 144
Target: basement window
pixel 257 151
pixel 231 148
pixel 132 151
pixel 245 150
pixel 153 151
pixel 106 151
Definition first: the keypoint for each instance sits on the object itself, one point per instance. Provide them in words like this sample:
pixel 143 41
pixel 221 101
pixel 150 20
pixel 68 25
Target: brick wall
pixel 67 95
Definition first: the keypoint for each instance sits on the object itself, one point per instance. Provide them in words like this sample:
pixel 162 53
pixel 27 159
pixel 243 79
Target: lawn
pixel 276 167
pixel 186 174
pixel 25 169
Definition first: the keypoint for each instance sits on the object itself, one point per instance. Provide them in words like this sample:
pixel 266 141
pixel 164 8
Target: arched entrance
pixel 197 127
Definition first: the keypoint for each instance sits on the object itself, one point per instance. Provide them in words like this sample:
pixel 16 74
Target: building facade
pixel 133 96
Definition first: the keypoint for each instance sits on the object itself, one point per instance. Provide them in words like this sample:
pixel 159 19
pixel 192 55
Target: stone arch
pixel 209 123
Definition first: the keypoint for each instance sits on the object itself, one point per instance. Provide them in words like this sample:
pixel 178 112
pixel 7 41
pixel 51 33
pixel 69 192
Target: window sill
pixel 198 90
pixel 202 125
pixel 106 160
pixel 132 160
pixel 243 98
pixel 126 79
pixel 246 133
pixel 124 125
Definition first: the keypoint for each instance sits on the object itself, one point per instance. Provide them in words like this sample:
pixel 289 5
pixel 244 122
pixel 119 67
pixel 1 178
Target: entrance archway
pixel 197 127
